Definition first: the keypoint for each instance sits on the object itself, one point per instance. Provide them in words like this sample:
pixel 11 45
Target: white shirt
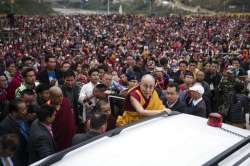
pixel 195 102
pixel 9 161
pixel 86 91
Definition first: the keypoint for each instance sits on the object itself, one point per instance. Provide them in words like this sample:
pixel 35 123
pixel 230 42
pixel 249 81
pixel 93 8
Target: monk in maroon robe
pixel 64 126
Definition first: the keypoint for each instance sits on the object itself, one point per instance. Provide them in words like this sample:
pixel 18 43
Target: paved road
pixel 67 11
pixel 191 9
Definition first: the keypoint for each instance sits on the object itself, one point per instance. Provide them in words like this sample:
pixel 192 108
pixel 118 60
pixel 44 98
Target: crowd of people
pixel 57 72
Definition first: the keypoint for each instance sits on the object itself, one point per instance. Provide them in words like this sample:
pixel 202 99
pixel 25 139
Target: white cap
pixel 197 87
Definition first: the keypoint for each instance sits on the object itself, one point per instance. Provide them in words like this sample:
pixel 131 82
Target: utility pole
pixel 150 7
pixel 224 6
pixel 12 6
pixel 108 7
pixel 243 9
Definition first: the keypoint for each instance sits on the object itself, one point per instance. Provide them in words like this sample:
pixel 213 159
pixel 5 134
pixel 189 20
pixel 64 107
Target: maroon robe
pixel 64 126
pixel 13 85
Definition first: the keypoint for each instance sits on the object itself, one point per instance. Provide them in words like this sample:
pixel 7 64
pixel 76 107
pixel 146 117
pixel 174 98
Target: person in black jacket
pixel 8 147
pixel 237 69
pixel 200 76
pixel 213 78
pixel 173 101
pixel 41 143
pixel 14 123
pixel 180 74
pixel 72 91
pixel 97 126
pixel 50 76
pixel 42 91
pixel 3 96
pixel 239 106
pixel 196 105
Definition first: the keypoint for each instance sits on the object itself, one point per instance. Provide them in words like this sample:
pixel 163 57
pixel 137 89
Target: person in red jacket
pixel 14 79
pixel 64 125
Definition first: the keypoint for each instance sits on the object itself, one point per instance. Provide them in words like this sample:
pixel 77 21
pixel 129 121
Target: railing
pixel 216 160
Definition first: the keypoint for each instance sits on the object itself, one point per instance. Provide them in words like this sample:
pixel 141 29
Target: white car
pixel 175 140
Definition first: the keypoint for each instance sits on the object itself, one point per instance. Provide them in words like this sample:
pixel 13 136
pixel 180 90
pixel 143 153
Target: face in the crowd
pixel 28 99
pixel 189 79
pixel 195 95
pixel 105 108
pixel 132 83
pixel 44 95
pixel 151 65
pixel 130 61
pixel 114 74
pixel 172 94
pixel 69 81
pixel 12 69
pixel 28 63
pixel 182 67
pixel 94 77
pixel 236 64
pixel 200 76
pixel 214 68
pixel 124 78
pixel 79 68
pixel 207 67
pixel 101 73
pixel 8 153
pixel 147 88
pixel 3 82
pixel 51 64
pixel 22 110
pixel 52 118
pixel 85 70
pixel 30 78
pixel 192 67
pixel 56 97
pixel 66 66
pixel 107 79
pixel 139 63
pixel 98 93
pixel 159 74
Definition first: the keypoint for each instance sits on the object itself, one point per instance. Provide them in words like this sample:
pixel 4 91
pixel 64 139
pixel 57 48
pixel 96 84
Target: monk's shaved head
pixel 148 78
pixel 55 90
pixel 56 95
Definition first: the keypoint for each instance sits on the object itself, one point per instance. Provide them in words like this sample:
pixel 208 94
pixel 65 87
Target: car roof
pixel 175 140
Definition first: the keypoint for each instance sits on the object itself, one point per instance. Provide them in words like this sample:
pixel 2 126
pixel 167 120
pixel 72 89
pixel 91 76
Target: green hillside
pixel 142 6
pixel 135 7
pixel 221 5
pixel 25 7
